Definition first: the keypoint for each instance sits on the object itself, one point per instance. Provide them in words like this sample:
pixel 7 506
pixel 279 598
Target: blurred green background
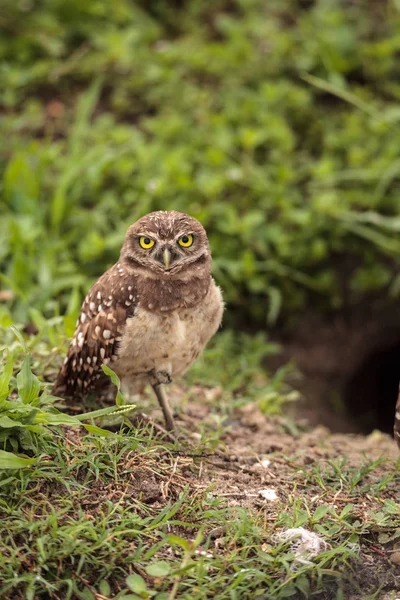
pixel 275 123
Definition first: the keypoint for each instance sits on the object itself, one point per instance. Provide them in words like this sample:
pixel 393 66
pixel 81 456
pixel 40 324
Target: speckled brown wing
pixel 396 428
pixel 107 306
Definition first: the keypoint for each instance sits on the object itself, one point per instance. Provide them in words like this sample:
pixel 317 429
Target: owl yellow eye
pixel 146 242
pixel 185 241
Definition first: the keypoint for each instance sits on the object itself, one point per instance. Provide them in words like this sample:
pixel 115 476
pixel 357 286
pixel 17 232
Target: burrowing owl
pixel 150 315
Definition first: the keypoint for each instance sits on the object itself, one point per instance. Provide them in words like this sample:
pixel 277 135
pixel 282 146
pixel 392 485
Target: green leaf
pixel 275 303
pixel 56 419
pixel 136 583
pixel 5 377
pixel 198 539
pixel 28 384
pixel 98 430
pixel 7 423
pixel 112 375
pixel 104 588
pixel 320 512
pixel 119 400
pixel 86 594
pixel 158 569
pixel 8 460
pixel 178 541
pixel 103 412
pixel 20 338
pixel 392 507
pixel 347 509
pixel 287 591
pixel 344 94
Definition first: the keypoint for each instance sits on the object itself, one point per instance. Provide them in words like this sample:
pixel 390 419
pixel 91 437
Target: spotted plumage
pixel 98 333
pixel 150 315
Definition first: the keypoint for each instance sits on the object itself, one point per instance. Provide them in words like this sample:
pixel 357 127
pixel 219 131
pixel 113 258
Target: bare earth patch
pixel 258 458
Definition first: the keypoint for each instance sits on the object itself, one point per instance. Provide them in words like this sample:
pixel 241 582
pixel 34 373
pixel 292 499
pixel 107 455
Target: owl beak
pixel 167 257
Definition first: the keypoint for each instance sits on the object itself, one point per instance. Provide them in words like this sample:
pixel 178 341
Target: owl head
pixel 167 244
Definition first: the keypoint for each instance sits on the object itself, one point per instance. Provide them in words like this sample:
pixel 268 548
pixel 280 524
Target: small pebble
pixel 395 558
pixel 268 494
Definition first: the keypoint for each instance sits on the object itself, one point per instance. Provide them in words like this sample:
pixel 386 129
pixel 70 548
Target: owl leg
pixel 163 401
pixel 159 377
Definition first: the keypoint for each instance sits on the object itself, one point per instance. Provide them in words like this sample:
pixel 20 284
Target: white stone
pixel 269 494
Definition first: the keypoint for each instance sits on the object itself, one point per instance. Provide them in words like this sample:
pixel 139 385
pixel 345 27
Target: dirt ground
pixel 256 459
pixel 348 366
pixel 259 453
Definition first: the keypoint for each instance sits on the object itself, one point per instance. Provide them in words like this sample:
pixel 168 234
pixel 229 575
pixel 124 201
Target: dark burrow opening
pixel 371 392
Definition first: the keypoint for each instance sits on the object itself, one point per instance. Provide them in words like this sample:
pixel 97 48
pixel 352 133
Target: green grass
pixel 97 514
pixel 283 143
pixel 276 124
pixel 90 515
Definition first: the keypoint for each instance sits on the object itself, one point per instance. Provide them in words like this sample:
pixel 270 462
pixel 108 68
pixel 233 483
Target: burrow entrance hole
pixel 371 392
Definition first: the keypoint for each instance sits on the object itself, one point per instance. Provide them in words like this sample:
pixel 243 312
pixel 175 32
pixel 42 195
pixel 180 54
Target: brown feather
pixel 107 306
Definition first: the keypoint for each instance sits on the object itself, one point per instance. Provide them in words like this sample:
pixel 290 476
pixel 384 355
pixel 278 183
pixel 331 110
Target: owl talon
pixel 159 377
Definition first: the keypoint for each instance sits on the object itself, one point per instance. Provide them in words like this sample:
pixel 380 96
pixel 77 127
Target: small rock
pixel 395 558
pixel 269 494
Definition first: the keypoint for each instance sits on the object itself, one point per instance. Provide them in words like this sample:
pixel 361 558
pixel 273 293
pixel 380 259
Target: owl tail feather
pixel 60 386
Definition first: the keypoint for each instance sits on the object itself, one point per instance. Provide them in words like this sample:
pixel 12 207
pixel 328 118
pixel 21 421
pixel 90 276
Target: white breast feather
pixel 167 341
